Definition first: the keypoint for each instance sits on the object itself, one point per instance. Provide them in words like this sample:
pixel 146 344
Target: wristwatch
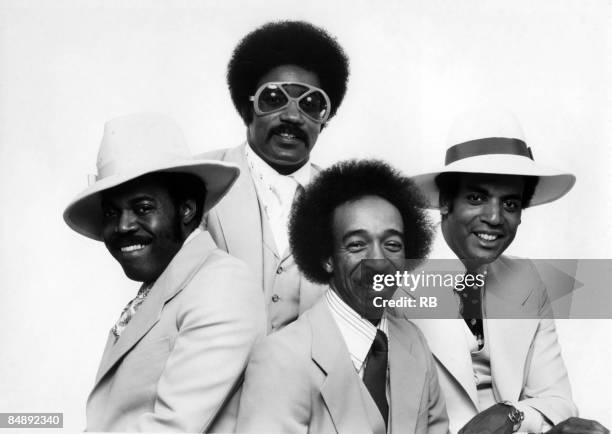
pixel 516 416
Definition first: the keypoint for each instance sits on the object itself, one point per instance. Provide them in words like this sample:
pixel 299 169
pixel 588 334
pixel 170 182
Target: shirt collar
pixel 145 288
pixel 358 333
pixel 197 231
pixel 268 174
pixel 441 250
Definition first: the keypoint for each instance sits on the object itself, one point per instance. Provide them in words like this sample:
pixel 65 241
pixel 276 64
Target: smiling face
pixel 366 228
pixel 284 138
pixel 142 227
pixel 483 218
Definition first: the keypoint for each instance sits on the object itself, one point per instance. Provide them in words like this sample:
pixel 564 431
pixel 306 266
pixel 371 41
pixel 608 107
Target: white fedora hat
pixel 491 141
pixel 136 145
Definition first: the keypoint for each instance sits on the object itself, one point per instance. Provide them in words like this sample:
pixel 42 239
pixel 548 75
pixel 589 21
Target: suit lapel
pixel 341 391
pixel 140 324
pixel 103 368
pixel 237 210
pixel 511 326
pixel 372 412
pixel 314 171
pixel 271 257
pixel 446 339
pixel 171 281
pixel 509 343
pixel 406 380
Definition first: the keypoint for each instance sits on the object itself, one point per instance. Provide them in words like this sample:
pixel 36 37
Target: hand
pixel 494 420
pixel 576 425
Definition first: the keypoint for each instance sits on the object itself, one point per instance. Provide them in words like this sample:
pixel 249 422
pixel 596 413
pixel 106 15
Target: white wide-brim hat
pixel 492 142
pixel 137 145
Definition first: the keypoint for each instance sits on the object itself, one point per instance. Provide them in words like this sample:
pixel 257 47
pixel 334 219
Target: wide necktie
pixel 375 373
pixel 129 311
pixel 471 311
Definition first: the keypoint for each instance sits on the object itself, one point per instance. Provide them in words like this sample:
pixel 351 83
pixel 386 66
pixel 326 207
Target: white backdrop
pixel 66 66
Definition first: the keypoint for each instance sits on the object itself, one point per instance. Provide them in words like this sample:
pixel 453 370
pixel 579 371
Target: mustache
pixel 366 270
pixel 119 241
pixel 288 129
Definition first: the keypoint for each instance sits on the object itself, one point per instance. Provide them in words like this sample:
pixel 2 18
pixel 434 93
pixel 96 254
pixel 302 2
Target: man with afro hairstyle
pixel 286 80
pixel 346 365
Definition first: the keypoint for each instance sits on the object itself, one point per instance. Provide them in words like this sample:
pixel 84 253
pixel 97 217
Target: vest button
pixel 275 298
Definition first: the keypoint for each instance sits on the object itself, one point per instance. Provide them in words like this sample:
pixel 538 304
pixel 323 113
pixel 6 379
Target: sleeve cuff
pixel 534 421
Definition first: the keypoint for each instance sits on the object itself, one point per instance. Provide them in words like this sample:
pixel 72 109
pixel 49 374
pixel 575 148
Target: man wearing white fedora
pixel 504 373
pixel 176 355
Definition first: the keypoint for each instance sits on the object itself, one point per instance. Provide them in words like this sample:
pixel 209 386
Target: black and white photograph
pixel 333 216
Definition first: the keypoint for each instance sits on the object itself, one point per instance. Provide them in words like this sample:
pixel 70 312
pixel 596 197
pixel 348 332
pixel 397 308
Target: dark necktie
pixel 299 190
pixel 375 373
pixel 471 311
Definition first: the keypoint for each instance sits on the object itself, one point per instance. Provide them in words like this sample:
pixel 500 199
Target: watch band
pixel 516 416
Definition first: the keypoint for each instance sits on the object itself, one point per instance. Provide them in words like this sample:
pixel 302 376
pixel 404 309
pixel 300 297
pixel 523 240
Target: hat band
pixel 489 145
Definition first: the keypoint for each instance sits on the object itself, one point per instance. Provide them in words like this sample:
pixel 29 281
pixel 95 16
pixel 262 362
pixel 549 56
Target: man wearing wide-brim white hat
pixel 175 357
pixel 504 373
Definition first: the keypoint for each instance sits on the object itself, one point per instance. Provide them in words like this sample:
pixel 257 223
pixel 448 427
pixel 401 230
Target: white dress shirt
pixel 358 333
pixel 276 191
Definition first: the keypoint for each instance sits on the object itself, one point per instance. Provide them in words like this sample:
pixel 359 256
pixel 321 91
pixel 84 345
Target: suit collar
pixel 268 174
pixel 174 278
pixel 510 282
pixel 357 332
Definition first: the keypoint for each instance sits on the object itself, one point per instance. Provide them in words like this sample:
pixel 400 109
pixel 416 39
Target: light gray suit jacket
pixel 302 380
pixel 239 226
pixel 525 356
pixel 181 357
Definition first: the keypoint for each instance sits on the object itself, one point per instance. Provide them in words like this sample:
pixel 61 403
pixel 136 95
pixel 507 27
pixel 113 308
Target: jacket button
pixel 279 270
pixel 275 298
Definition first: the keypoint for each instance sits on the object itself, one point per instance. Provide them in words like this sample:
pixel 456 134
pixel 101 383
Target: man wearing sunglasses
pixel 286 80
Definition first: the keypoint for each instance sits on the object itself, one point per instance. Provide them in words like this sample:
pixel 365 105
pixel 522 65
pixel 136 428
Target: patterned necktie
pixel 375 373
pixel 471 311
pixel 129 311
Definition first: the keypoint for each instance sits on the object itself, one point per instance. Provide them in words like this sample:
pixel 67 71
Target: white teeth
pixel 487 237
pixel 132 248
pixel 287 135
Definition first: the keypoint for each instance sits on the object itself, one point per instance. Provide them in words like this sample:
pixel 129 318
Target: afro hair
pixel 286 43
pixel 310 227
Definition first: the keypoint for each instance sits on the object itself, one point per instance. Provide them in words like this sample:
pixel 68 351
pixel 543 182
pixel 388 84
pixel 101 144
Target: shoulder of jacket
pixel 216 154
